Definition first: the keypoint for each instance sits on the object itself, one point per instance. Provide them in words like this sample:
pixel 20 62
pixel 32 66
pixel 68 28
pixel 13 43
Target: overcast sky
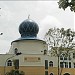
pixel 45 13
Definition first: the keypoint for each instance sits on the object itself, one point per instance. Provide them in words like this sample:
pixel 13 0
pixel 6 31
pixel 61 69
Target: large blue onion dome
pixel 28 29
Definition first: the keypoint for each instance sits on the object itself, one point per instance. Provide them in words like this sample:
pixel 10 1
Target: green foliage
pixel 15 72
pixel 59 40
pixel 67 3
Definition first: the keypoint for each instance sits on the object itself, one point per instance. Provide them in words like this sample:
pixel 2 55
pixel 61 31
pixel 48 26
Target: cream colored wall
pixel 29 47
pixel 39 70
pixel 33 61
pixel 36 67
pixel 3 58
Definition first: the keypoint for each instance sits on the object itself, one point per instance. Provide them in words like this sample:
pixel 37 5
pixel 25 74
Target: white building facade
pixel 34 59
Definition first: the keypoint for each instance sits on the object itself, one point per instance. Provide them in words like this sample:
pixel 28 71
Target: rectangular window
pixel 69 64
pixel 69 57
pixel 16 63
pixel 46 64
pixel 74 65
pixel 73 55
pixel 66 64
pixel 61 64
pixel 46 72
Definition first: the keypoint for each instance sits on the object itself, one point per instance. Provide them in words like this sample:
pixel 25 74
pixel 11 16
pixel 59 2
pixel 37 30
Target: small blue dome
pixel 28 28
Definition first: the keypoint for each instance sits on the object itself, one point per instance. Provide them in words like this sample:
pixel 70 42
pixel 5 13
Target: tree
pixel 15 72
pixel 60 38
pixel 60 41
pixel 67 3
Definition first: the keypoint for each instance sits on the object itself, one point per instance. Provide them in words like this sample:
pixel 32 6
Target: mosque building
pixel 31 55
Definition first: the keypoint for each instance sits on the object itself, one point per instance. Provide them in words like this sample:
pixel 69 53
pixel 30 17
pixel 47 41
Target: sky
pixel 45 13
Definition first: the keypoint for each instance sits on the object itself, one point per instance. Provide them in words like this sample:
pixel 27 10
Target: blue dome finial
pixel 29 16
pixel 28 29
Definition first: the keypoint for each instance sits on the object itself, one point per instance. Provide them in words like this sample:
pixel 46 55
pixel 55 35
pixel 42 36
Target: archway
pixel 66 74
pixel 51 73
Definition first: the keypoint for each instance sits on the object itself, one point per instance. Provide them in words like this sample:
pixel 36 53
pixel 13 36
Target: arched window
pixel 51 73
pixel 51 63
pixel 9 63
pixel 65 58
pixel 61 57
